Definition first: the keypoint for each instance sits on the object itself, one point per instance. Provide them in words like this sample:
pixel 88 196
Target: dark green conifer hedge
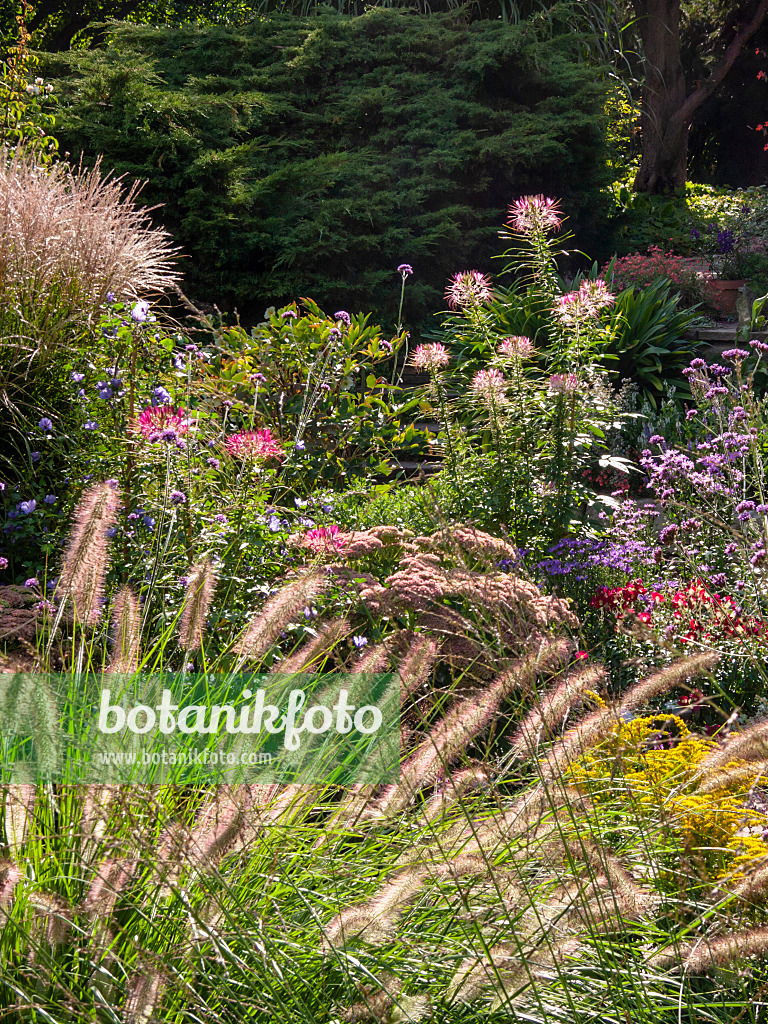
pixel 311 156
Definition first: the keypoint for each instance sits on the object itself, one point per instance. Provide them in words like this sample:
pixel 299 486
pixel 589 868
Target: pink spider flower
pixel 516 347
pixel 563 383
pixel 255 446
pixel 430 357
pixel 535 213
pixel 490 386
pixel 323 540
pixel 468 288
pixel 161 423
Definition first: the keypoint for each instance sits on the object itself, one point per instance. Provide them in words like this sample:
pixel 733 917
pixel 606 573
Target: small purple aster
pixel 178 498
pixel 33 581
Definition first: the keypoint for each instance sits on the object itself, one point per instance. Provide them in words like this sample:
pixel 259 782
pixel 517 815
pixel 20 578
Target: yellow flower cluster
pixel 634 763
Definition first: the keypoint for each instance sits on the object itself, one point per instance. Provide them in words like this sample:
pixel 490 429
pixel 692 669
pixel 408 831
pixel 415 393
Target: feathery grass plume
pixel 375 920
pixel 19 813
pixel 126 633
pixel 279 610
pixel 464 722
pixel 666 678
pixel 719 951
pixel 416 665
pixel 587 732
pixel 535 814
pixel 217 826
pixel 201 583
pixel 86 557
pixel 552 706
pixel 10 876
pixel 97 807
pixel 748 774
pixel 54 918
pixel 377 1001
pixel 455 787
pixel 143 992
pixel 537 968
pixel 310 657
pixel 632 898
pixel 751 744
pixel 754 887
pixel 111 878
pixel 77 234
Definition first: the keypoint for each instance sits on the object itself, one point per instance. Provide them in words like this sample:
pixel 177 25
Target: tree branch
pixel 708 86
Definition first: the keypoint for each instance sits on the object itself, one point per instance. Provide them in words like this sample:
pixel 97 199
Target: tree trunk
pixel 664 163
pixel 667 112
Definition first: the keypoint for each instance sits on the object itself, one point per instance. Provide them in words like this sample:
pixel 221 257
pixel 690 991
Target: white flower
pixel 49 88
pixel 39 81
pixel 140 311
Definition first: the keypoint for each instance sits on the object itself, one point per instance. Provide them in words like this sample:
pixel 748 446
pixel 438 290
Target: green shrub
pixel 311 156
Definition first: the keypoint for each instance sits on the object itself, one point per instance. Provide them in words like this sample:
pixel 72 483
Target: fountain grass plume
pixel 280 609
pixel 310 656
pixel 126 633
pixel 86 557
pixel 552 706
pixel 751 744
pixel 144 991
pixel 201 583
pixel 464 722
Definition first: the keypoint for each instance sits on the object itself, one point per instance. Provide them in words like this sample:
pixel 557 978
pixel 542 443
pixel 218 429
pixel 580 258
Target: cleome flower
pixel 255 445
pixel 161 423
pixel 490 386
pixel 323 540
pixel 516 347
pixel 430 357
pixel 586 303
pixel 535 213
pixel 468 288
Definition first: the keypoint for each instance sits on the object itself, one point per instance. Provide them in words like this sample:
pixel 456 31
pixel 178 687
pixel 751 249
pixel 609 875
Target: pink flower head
pixel 161 423
pixel 490 386
pixel 430 357
pixel 468 288
pixel 255 446
pixel 323 540
pixel 517 347
pixel 586 303
pixel 595 295
pixel 563 383
pixel 535 213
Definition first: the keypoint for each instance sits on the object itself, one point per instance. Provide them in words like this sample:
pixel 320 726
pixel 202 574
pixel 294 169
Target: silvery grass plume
pixel 201 583
pixel 126 633
pixel 78 234
pixel 86 557
pixel 264 628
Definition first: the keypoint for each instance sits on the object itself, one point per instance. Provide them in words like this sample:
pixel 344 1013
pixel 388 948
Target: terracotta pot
pixel 726 293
